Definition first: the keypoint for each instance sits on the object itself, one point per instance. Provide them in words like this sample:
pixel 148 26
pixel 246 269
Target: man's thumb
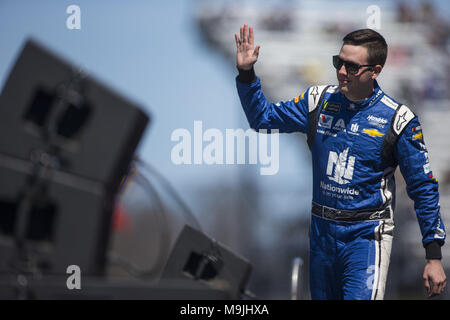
pixel 427 283
pixel 256 52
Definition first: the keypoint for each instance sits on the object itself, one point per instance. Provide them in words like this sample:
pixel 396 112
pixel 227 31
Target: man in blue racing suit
pixel 357 135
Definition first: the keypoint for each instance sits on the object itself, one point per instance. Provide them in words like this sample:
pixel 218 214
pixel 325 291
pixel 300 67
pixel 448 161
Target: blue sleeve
pixel 422 186
pixel 290 116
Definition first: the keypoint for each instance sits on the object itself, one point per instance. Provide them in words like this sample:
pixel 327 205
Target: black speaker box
pixel 198 257
pixel 66 143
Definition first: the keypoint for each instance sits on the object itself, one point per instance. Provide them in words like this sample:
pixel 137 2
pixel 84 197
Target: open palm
pixel 247 54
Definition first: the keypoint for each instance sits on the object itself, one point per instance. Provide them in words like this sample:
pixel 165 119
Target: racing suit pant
pixel 349 260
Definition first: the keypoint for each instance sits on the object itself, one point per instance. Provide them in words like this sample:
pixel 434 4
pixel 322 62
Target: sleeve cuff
pixel 433 251
pixel 246 76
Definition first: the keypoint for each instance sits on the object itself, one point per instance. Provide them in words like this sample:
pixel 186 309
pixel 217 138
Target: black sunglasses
pixel 350 67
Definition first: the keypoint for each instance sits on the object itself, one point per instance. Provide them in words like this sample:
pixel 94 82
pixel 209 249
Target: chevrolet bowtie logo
pixel 418 136
pixel 373 132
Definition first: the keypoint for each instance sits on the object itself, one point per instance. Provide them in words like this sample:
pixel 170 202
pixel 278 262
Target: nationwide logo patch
pixel 373 132
pixel 325 120
pixel 340 166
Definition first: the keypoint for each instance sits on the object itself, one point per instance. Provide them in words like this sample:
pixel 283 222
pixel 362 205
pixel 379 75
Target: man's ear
pixel 376 71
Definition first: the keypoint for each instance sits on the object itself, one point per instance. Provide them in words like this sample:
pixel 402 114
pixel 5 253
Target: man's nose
pixel 342 70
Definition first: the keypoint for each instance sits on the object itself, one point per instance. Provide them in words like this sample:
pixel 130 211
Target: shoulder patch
pixel 314 94
pixel 389 102
pixel 331 106
pixel 333 89
pixel 402 117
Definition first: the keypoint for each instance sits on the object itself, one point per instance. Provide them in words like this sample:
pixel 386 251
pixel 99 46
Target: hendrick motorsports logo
pixel 377 121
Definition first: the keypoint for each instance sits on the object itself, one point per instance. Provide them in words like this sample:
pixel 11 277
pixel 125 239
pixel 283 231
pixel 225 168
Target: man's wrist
pixel 433 251
pixel 246 76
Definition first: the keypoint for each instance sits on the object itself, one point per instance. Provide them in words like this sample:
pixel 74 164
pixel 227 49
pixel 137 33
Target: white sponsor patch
pixel 426 168
pixel 333 89
pixel 325 121
pixel 389 102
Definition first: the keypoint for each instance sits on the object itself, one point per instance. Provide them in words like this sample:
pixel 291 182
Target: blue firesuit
pixel 353 188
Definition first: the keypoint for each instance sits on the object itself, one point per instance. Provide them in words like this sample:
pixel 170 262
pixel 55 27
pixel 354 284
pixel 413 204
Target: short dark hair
pixel 373 41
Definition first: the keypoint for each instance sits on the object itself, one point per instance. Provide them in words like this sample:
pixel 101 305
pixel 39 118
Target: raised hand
pixel 247 54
